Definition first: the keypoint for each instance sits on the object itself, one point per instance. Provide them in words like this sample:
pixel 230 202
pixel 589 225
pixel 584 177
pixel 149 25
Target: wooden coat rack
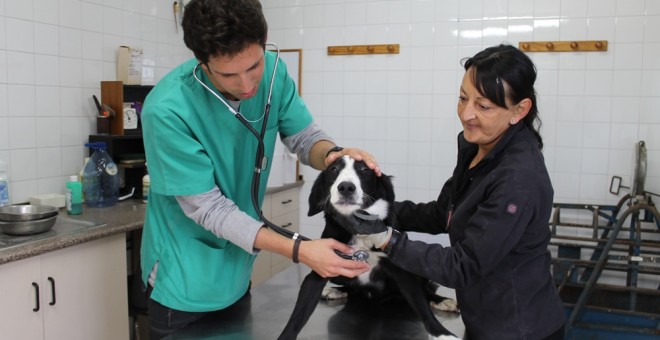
pixel 564 46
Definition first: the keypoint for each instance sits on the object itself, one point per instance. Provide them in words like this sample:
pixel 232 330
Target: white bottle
pixel 146 182
pixel 4 185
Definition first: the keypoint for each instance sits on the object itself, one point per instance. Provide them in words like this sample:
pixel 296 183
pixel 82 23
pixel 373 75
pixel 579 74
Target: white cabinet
pixel 281 208
pixel 79 292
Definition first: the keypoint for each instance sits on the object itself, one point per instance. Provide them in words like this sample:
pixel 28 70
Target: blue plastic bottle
pixel 100 178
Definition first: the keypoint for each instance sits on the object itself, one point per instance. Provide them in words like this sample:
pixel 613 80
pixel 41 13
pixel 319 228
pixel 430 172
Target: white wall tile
pixel 21 37
pixel 569 134
pixel 651 55
pixel 629 29
pixel 494 32
pixel 19 9
pixel 20 68
pixel 46 11
pixel 547 8
pixel 422 11
pixel 46 39
pixel 648 110
pixel 650 83
pixel 629 7
pixel 21 100
pixel 601 8
pixel 597 109
pixel 3 37
pixel 3 100
pixel 597 135
pixel 4 135
pixel 49 162
pixel 70 13
pixel 599 83
pixel 399 12
pixel 470 33
pixel 22 134
pixel 48 104
pixel 47 70
pixel 601 28
pixel 574 8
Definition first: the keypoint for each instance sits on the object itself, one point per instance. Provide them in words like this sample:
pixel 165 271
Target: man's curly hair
pixel 223 27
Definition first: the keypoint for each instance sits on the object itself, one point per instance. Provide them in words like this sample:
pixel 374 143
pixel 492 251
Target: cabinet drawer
pixel 290 222
pixel 284 202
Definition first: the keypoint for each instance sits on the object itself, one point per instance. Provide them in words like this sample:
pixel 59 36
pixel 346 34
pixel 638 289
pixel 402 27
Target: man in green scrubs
pixel 202 233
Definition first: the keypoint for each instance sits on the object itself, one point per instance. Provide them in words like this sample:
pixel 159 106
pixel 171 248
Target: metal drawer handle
pixel 287 201
pixel 287 225
pixel 52 291
pixel 36 290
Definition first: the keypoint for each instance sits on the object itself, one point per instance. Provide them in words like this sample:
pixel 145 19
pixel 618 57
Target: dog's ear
pixel 385 187
pixel 318 195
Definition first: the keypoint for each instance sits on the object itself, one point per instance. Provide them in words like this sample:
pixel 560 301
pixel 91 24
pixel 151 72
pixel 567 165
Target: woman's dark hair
pixel 223 27
pixel 501 64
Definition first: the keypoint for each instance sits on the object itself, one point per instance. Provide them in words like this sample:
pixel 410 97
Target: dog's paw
pixel 331 293
pixel 447 305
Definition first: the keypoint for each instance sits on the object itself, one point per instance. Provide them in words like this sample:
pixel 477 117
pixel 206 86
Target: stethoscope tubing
pixel 259 156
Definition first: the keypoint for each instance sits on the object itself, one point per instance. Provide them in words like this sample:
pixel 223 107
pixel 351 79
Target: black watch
pixel 394 239
pixel 334 149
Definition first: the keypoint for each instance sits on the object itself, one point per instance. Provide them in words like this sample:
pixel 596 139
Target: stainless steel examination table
pixel 263 313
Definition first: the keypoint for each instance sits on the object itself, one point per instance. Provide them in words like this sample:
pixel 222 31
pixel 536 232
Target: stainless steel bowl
pixel 28 227
pixel 21 213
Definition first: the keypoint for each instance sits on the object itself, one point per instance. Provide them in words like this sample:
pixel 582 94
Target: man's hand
pixel 321 257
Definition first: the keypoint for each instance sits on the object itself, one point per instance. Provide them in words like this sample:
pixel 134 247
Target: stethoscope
pixel 261 161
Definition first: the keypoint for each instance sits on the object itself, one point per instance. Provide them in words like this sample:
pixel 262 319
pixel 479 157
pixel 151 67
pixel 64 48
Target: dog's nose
pixel 346 188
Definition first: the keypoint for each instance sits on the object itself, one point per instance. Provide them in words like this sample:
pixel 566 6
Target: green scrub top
pixel 192 143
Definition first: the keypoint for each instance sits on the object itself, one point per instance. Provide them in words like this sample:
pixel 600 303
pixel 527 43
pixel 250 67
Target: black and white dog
pixel 344 187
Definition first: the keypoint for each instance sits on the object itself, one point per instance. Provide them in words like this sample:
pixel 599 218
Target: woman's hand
pixel 320 256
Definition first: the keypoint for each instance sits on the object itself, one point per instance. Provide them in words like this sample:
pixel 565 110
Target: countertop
pixel 69 230
pixel 92 224
pixel 263 313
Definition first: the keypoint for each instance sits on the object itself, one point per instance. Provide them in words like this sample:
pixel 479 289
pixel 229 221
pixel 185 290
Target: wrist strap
pixel 396 236
pixel 334 149
pixel 296 249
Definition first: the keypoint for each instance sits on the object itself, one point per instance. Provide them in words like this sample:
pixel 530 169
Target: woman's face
pixel 237 77
pixel 484 123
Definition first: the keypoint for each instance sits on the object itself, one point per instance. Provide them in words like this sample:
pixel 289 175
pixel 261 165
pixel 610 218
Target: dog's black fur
pixel 361 190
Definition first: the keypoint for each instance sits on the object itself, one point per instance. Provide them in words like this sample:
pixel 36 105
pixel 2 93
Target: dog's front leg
pixel 308 297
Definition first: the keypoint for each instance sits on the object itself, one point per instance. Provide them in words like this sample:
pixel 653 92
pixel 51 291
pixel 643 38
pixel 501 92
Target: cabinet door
pixel 90 299
pixel 20 284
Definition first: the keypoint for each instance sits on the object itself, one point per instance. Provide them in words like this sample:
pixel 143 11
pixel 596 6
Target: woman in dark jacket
pixel 495 208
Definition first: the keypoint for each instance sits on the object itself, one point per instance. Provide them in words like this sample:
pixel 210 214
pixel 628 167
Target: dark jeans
pixel 164 320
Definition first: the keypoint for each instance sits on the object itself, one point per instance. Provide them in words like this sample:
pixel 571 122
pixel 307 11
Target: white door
pixel 90 299
pixel 21 314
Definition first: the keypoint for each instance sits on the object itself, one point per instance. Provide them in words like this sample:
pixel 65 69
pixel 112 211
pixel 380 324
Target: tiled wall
pixel 594 106
pixel 53 55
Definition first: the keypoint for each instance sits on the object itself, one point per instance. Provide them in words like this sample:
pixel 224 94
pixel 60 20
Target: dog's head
pixel 348 185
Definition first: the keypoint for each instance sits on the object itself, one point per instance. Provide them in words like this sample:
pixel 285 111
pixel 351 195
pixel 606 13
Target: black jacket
pixel 497 217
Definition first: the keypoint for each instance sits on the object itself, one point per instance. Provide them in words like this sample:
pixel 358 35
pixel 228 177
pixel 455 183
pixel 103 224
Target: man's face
pixel 237 77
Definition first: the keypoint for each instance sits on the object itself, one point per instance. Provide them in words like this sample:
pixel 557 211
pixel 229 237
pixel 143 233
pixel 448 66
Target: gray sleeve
pixel 301 143
pixel 219 215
